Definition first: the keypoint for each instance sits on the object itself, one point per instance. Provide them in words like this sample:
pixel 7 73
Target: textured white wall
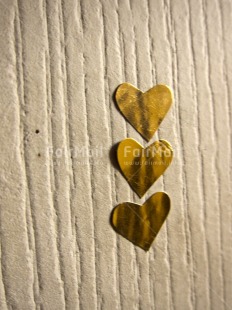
pixel 61 61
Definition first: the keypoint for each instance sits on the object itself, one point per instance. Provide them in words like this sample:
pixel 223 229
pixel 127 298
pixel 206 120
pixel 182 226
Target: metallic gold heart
pixel 141 224
pixel 145 111
pixel 142 167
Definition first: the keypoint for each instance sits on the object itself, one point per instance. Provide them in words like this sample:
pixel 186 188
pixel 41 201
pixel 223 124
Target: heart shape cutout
pixel 141 224
pixel 144 111
pixel 142 167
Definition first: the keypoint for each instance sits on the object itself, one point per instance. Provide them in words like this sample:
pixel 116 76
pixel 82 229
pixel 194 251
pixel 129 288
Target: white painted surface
pixel 61 62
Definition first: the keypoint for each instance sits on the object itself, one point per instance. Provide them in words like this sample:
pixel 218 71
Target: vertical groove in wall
pixel 89 147
pixel 89 160
pixel 188 231
pixel 199 138
pixel 23 134
pixel 108 107
pixel 108 43
pixel 50 99
pixel 187 261
pixel 217 294
pixel 25 137
pixel 182 155
pixel 216 165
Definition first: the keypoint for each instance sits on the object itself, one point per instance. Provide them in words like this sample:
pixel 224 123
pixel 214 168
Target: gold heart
pixel 141 224
pixel 145 111
pixel 142 167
